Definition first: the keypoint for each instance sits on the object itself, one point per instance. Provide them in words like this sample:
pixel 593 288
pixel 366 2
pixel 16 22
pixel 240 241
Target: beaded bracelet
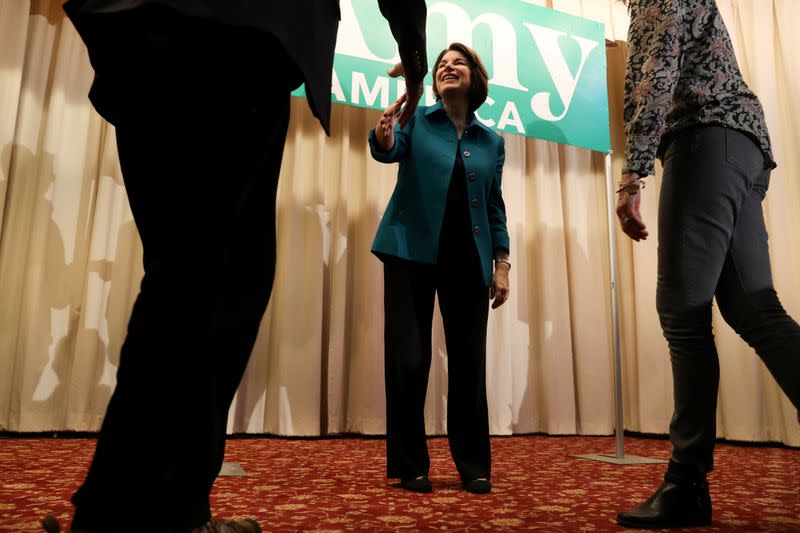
pixel 632 187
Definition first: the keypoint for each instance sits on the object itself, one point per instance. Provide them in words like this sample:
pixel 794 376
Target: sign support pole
pixel 619 456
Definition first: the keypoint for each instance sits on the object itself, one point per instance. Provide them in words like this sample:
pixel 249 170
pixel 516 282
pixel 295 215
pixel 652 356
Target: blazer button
pixel 471 176
pixel 466 153
pixel 476 230
pixel 475 204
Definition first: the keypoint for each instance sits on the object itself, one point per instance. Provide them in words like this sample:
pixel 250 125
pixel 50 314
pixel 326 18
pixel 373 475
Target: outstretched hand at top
pixel 413 91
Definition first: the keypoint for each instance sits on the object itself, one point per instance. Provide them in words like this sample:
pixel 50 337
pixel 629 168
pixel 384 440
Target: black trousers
pixel 200 134
pixel 409 290
pixel 713 242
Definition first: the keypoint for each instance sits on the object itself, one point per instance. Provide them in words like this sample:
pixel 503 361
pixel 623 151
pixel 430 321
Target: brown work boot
pixel 245 525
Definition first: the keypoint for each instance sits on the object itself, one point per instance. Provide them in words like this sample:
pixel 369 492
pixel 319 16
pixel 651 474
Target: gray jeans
pixel 713 242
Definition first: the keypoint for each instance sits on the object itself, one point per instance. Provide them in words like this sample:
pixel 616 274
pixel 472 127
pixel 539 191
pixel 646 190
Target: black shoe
pixel 417 484
pixel 246 525
pixel 478 486
pixel 676 503
pixel 50 525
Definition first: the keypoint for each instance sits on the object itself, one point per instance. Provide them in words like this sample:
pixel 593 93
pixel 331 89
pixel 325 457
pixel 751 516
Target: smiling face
pixel 453 76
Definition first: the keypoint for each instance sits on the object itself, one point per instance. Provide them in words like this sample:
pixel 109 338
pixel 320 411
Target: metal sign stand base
pixel 232 470
pixel 624 460
pixel 618 458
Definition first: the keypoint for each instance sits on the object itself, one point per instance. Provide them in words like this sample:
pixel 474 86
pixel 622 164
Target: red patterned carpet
pixel 338 485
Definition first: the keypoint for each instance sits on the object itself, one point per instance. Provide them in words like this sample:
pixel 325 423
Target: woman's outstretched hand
pixel 384 131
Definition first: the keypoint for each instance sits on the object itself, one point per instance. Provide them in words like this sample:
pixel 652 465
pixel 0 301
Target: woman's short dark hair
pixel 479 78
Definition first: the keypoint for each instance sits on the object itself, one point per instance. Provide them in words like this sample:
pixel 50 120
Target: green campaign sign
pixel 547 69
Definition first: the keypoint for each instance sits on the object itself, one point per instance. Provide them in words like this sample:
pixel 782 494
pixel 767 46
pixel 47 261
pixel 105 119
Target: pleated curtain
pixel 70 260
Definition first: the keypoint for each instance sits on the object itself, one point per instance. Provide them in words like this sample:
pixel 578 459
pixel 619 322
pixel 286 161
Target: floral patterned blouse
pixel 682 72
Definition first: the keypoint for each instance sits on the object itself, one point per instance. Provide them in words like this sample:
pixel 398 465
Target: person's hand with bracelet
pixel 499 290
pixel 628 203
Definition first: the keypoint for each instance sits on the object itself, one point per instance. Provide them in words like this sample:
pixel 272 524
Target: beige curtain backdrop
pixel 70 261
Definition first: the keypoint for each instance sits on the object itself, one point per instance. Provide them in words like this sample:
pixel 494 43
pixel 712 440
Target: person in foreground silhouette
pixel 444 232
pixel 199 95
pixel 686 103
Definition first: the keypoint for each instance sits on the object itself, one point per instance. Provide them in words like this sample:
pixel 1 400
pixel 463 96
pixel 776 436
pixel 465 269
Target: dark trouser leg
pixel 710 177
pixel 201 173
pixel 749 303
pixel 408 309
pixel 464 302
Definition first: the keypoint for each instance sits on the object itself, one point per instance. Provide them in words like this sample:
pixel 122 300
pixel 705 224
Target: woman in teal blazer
pixel 444 231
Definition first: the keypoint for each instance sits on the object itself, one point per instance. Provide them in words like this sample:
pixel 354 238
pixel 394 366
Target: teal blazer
pixel 426 150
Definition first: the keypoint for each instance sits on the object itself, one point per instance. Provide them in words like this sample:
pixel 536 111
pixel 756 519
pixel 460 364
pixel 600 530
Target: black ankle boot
pixel 682 500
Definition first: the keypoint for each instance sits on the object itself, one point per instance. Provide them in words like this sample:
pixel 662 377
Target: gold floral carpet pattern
pixel 332 485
